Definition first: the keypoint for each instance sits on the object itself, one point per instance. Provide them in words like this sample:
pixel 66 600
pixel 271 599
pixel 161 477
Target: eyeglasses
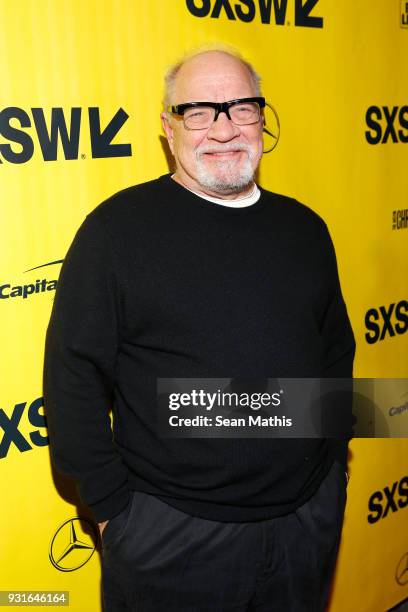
pixel 200 115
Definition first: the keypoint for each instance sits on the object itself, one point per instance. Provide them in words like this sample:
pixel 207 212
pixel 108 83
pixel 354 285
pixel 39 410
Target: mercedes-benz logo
pixel 67 551
pixel 271 128
pixel 401 573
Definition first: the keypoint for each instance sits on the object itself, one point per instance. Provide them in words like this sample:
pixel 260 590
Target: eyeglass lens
pixel 243 113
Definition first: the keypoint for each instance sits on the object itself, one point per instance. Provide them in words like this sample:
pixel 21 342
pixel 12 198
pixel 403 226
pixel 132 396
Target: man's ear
pixel 168 129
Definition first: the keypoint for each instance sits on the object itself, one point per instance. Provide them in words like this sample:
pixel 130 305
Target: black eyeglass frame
pixel 219 107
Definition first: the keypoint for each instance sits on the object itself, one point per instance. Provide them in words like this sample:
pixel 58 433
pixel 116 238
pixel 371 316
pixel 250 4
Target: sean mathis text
pixel 219 421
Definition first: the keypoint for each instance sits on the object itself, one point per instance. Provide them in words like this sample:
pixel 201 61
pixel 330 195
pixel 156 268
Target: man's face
pixel 220 160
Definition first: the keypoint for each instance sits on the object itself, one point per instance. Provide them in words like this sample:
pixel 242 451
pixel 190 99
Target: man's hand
pixel 102 526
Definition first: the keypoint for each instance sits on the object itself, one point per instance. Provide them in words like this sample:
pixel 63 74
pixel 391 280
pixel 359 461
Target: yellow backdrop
pixel 80 100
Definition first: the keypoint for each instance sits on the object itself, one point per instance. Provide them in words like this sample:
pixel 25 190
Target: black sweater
pixel 161 283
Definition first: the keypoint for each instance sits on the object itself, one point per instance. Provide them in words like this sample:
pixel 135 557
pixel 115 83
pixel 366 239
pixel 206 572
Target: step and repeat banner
pixel 80 99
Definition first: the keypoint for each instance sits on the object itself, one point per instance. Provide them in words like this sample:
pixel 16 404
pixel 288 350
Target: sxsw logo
pixel 386 321
pixel 387 124
pixel 267 11
pixel 387 501
pixel 404 14
pixel 10 427
pixel 21 132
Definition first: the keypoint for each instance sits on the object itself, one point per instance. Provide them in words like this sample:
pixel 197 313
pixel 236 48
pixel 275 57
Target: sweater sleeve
pixel 339 346
pixel 81 347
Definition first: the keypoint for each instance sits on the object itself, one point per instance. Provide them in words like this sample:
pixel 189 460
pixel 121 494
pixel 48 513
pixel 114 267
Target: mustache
pixel 218 148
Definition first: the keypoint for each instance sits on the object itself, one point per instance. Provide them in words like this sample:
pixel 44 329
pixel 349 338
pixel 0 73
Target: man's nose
pixel 223 129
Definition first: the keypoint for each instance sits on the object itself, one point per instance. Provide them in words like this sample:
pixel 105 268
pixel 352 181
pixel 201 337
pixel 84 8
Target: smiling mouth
pixel 229 153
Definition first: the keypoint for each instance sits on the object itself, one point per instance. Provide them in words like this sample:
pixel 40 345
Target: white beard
pixel 227 176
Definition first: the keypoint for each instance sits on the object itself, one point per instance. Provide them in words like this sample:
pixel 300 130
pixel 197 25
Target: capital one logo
pixel 12 291
pixel 267 11
pixel 23 131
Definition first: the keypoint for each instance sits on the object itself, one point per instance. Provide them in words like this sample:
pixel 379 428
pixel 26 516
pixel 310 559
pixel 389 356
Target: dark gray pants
pixel 156 558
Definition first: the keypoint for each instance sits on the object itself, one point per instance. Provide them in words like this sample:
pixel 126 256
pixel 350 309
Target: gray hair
pixel 171 74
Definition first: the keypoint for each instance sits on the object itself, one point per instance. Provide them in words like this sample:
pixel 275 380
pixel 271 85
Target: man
pixel 200 274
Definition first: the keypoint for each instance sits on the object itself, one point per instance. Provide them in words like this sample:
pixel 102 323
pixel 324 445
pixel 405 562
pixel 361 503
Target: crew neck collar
pixel 208 205
pixel 247 200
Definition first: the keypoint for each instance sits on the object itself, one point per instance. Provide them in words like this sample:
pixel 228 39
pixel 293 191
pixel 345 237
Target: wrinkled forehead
pixel 212 78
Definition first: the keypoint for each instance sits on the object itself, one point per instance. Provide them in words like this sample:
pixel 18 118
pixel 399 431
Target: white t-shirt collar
pixel 247 200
